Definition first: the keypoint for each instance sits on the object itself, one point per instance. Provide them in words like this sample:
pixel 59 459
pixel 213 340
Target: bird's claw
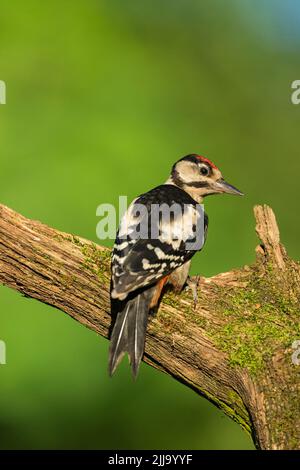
pixel 193 284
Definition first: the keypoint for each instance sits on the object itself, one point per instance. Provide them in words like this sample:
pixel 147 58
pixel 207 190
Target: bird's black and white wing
pixel 153 240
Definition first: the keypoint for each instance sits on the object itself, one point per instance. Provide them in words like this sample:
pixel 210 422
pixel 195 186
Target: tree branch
pixel 235 348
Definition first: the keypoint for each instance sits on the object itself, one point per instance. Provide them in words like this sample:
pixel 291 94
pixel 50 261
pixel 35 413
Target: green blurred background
pixel 102 98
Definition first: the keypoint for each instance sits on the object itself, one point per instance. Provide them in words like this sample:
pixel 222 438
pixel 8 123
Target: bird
pixel 152 251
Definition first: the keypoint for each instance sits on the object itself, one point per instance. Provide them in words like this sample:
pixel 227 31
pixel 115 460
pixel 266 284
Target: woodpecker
pixel 143 263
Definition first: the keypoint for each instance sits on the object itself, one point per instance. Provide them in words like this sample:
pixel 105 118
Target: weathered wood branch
pixel 235 348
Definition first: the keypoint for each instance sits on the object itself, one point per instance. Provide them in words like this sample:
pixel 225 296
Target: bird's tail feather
pixel 129 331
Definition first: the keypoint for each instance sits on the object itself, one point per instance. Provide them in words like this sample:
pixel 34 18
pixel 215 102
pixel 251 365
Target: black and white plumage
pixel 137 262
pixel 154 245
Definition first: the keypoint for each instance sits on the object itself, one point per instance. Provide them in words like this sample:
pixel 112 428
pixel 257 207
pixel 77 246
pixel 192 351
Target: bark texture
pixel 235 348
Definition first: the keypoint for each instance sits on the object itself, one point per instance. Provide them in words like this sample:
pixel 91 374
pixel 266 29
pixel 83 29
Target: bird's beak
pixel 223 187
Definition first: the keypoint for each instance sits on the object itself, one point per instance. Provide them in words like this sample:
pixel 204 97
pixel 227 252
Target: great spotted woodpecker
pixel 142 263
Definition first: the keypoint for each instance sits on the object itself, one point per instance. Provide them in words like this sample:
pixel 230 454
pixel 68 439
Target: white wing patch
pixel 182 228
pixel 147 265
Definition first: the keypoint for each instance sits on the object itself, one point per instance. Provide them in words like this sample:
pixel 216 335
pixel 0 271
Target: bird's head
pixel 199 177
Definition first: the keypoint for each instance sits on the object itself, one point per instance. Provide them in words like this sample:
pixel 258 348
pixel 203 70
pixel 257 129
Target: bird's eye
pixel 204 171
